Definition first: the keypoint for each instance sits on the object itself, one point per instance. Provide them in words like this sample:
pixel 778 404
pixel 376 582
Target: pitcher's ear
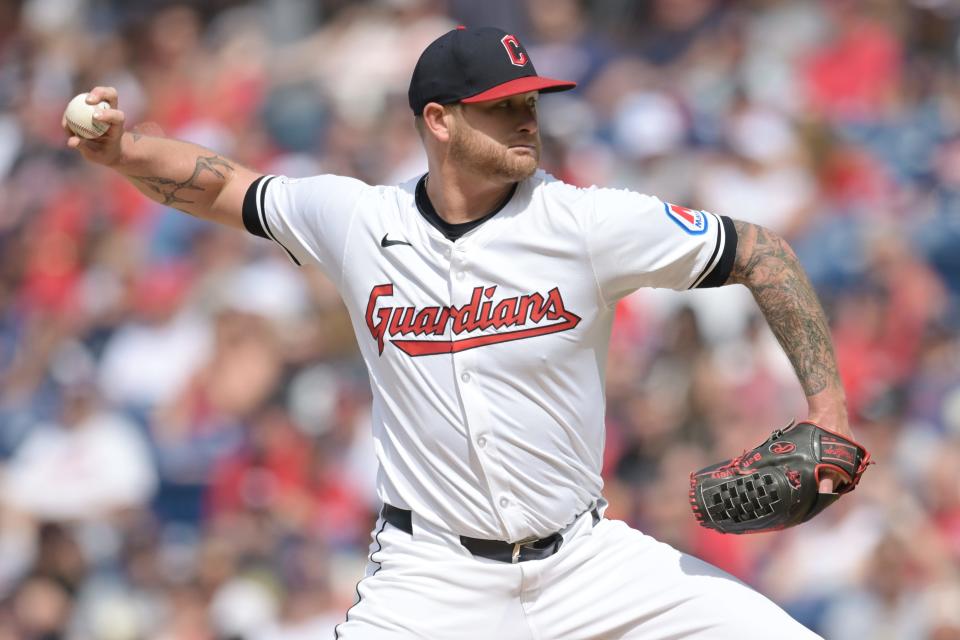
pixel 437 120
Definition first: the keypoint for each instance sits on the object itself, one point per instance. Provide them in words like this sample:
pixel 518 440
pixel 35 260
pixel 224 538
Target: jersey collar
pixel 452 231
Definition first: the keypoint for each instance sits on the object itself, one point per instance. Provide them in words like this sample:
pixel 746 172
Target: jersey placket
pixel 468 369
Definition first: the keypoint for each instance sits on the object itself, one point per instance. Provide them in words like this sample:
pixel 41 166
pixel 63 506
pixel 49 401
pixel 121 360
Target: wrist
pixel 124 156
pixel 829 410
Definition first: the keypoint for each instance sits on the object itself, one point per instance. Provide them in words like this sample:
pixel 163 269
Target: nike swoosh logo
pixel 384 242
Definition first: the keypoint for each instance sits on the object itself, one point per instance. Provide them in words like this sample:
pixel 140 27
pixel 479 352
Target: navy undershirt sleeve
pixel 718 277
pixel 251 216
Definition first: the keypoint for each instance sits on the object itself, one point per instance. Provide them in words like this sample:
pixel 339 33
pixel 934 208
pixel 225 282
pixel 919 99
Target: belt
pixel 512 552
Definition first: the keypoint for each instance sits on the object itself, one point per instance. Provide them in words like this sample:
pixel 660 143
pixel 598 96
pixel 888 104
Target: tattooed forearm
pixel 171 192
pixel 767 265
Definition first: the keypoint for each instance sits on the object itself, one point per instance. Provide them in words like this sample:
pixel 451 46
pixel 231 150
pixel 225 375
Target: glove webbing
pixel 743 498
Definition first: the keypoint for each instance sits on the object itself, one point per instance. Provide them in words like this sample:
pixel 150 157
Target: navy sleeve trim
pixel 251 218
pixel 727 249
pixel 254 213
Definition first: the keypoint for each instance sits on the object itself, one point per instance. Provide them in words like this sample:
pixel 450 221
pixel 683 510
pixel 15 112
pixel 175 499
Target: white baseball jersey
pixel 487 353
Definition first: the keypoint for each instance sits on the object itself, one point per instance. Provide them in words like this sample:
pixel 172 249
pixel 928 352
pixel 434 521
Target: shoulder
pixel 323 191
pixel 328 192
pixel 402 193
pixel 383 198
pixel 549 186
pixel 322 183
pixel 558 191
pixel 555 196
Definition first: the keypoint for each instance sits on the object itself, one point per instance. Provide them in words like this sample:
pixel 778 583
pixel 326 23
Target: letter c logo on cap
pixel 512 45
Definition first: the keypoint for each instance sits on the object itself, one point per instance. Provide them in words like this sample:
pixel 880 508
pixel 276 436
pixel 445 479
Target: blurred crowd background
pixel 184 419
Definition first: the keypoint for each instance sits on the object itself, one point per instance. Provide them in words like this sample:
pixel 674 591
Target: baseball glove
pixel 776 484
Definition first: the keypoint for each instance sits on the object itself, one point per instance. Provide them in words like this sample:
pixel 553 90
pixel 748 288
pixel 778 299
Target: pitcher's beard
pixel 480 154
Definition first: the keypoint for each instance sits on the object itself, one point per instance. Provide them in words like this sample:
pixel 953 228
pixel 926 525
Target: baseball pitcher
pixel 482 295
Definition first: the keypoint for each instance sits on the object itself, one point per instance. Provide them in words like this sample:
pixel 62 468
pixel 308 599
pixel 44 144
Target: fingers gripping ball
pixel 79 117
pixel 776 484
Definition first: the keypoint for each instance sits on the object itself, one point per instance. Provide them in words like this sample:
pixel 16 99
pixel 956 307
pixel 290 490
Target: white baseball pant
pixel 606 581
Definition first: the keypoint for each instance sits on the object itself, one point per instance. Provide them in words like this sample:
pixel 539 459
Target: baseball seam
pixel 93 133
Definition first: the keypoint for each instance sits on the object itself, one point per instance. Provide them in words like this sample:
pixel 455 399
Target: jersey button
pixel 465 376
pixel 461 275
pixel 481 442
pixel 504 502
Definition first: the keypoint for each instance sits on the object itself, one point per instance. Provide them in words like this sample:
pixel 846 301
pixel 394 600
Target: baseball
pixel 79 117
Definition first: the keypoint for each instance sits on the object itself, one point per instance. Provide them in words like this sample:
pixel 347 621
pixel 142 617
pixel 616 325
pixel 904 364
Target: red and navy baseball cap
pixel 474 65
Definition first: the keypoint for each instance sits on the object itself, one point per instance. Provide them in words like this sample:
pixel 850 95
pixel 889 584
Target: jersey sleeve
pixel 309 217
pixel 638 241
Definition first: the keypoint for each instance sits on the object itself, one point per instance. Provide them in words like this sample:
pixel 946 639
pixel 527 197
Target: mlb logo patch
pixel 690 220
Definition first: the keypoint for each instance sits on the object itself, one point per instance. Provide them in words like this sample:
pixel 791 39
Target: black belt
pixel 490 549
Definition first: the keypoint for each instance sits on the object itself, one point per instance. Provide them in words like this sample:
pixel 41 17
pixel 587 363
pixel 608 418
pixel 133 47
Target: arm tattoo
pixel 767 265
pixel 172 192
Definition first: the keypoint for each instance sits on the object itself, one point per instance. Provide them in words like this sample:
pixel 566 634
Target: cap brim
pixel 521 85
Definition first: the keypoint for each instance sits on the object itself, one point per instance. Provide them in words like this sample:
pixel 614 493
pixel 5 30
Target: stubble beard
pixel 481 154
